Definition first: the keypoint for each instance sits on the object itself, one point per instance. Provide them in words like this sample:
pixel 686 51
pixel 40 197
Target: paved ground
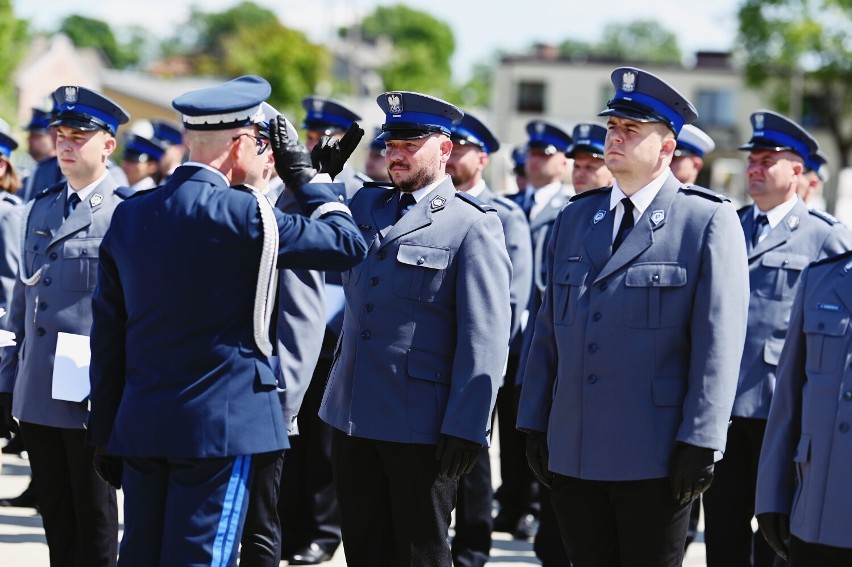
pixel 22 537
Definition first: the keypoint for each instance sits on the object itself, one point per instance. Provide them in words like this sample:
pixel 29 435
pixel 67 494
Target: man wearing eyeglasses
pixel 182 388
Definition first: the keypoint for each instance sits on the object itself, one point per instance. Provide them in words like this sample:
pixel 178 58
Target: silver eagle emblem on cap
pixel 599 216
pixel 70 95
pixel 628 81
pixel 395 103
pixel 318 104
pixel 657 216
pixel 539 128
pixel 758 121
pixel 584 130
pixel 96 199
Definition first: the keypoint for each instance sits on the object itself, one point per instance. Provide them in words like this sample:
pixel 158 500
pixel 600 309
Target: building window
pixel 716 108
pixel 531 96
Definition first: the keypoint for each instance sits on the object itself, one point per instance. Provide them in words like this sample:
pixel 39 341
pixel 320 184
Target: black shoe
pixel 27 499
pixel 526 528
pixel 314 554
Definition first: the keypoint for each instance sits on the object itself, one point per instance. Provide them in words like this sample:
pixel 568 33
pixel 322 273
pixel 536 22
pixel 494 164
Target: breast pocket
pixel 79 267
pixel 825 334
pixel 649 293
pixel 568 283
pixel 779 274
pixel 419 271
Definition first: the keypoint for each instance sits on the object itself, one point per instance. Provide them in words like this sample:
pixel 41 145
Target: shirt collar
pixel 477 189
pixel 423 191
pixel 643 197
pixel 87 190
pixel 544 193
pixel 208 168
pixel 776 215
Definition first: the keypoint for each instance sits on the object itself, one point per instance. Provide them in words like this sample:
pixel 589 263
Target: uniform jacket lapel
pixel 420 214
pixel 782 231
pixel 81 217
pixel 844 290
pixel 385 216
pixel 599 236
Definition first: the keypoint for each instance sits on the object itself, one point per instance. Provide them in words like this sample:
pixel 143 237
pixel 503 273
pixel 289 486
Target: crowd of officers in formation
pixel 646 347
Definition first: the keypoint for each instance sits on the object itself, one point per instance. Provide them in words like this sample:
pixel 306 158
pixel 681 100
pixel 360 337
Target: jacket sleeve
pixel 519 246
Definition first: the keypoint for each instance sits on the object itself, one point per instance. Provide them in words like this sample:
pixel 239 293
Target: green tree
pixel 208 32
pixel 642 40
pixel 90 32
pixel 799 52
pixel 13 37
pixel 423 46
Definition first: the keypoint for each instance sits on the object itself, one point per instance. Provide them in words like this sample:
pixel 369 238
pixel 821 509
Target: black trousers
pixel 394 506
pixel 472 542
pixel 804 554
pixel 548 545
pixel 308 503
pixel 261 542
pixel 78 509
pixel 729 502
pixel 620 523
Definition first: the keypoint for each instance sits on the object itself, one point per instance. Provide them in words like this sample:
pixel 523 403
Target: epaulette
pixel 743 210
pixel 11 199
pixel 128 193
pixel 704 192
pixel 824 216
pixel 507 204
pixel 589 193
pixel 475 202
pixel 831 259
pixel 382 184
pixel 50 190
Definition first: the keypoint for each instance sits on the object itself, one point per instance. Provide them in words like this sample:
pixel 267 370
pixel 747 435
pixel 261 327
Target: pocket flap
pixel 429 366
pixel 786 260
pixel 668 391
pixel 655 275
pixel 826 323
pixel 803 450
pixel 572 273
pixel 81 248
pixel 423 256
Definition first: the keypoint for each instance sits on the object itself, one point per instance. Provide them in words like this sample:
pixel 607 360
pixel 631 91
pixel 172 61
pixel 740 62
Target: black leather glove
pixel 457 455
pixel 775 527
pixel 330 154
pixel 538 456
pixel 109 467
pixel 691 472
pixel 8 425
pixel 292 161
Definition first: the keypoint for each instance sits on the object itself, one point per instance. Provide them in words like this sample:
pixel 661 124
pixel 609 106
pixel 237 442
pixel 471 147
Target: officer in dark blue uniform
pixel 41 146
pixel 141 161
pixel 375 166
pixel 782 237
pixel 170 135
pixel 812 179
pixel 182 388
pixel 473 142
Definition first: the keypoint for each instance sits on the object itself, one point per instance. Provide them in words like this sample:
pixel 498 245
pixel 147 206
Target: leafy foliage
pixel 13 36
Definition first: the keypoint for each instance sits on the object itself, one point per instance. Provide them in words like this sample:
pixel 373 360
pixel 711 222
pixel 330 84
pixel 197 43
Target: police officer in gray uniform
pixel 782 238
pixel 630 377
pixel 62 230
pixel 473 142
pixel 803 495
pixel 423 347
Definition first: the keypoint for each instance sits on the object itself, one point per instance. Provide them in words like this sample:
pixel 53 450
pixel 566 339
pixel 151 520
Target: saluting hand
pixel 330 154
pixel 292 160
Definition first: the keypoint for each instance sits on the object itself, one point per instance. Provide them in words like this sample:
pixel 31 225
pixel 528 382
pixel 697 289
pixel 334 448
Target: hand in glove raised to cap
pixel 8 425
pixel 691 472
pixel 109 467
pixel 292 161
pixel 330 154
pixel 538 456
pixel 457 455
pixel 775 528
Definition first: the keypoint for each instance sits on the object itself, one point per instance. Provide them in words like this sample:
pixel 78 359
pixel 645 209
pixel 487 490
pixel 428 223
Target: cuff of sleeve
pixel 321 178
pixel 326 208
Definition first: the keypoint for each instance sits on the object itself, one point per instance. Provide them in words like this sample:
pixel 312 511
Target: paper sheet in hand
pixel 71 368
pixel 7 338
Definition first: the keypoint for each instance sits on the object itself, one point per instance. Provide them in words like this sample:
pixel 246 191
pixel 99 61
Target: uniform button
pixel 592 379
pixel 593 347
pixel 785 262
pixel 844 427
pixel 369 308
pixel 382 255
pixel 40 331
pixel 821 326
pixel 35 246
pixel 420 260
pixel 655 278
pixel 847 396
pixel 597 317
pixel 53 256
pixel 374 281
pixel 84 252
pixel 43 306
pixel 47 281
pixel 603 286
pixel 365 335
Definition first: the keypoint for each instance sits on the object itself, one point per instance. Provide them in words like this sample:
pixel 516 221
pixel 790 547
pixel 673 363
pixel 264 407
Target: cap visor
pixel 765 145
pixel 77 124
pixel 628 113
pixel 406 134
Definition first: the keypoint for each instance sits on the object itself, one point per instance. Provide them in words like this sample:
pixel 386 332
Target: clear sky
pixel 480 26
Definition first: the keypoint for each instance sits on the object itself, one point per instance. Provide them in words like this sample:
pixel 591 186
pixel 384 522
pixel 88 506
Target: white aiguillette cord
pixel 267 275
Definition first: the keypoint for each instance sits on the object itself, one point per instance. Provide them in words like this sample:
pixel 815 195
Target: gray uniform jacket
pixel 10 251
pixel 806 458
pixel 775 265
pixel 635 350
pixel 426 323
pixel 66 250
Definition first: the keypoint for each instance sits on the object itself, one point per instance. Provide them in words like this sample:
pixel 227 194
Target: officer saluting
pixel 182 387
pixel 629 381
pixel 423 347
pixel 62 230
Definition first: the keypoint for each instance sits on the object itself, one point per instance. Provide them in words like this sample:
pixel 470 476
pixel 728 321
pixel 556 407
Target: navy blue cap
pixel 40 120
pixel 167 131
pixel 377 145
pixel 548 136
pixel 815 161
pixel 230 105
pixel 519 156
pixel 589 139
pixel 87 110
pixel 7 144
pixel 409 115
pixel 775 132
pixel 693 141
pixel 141 149
pixel 471 130
pixel 327 115
pixel 644 97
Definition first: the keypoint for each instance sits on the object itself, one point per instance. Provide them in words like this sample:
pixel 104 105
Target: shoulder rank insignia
pixel 657 216
pixel 437 203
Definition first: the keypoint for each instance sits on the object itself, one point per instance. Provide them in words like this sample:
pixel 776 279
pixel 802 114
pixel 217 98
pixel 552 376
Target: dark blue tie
pixel 759 223
pixel 71 203
pixel 406 201
pixel 626 224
